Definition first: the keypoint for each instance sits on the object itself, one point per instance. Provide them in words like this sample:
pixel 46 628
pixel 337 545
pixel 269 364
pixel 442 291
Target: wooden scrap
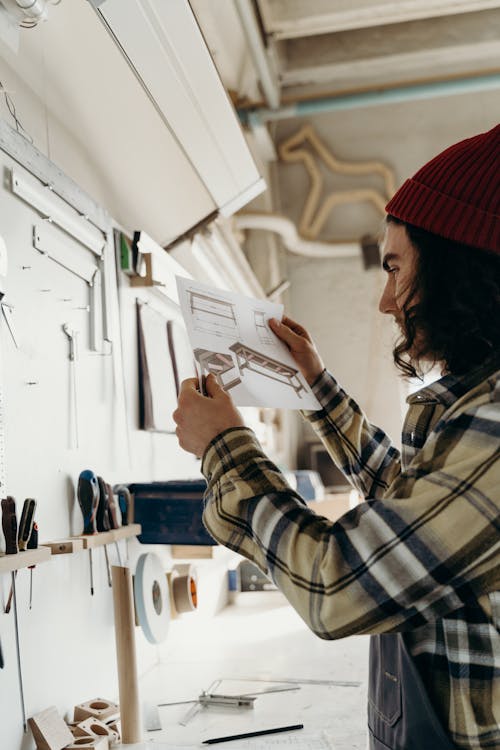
pixel 49 730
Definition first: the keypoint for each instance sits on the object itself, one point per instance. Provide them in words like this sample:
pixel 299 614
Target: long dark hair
pixel 452 312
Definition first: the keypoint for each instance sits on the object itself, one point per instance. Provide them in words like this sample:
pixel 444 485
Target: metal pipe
pixel 258 52
pixel 412 92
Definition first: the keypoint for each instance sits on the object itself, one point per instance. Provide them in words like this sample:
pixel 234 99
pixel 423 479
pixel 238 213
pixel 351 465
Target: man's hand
pixel 200 418
pixel 301 346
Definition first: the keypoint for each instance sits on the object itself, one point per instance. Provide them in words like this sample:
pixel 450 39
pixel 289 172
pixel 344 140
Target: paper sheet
pixel 231 338
pixel 305 742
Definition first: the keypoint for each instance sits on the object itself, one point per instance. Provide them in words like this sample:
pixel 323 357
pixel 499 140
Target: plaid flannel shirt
pixel 420 556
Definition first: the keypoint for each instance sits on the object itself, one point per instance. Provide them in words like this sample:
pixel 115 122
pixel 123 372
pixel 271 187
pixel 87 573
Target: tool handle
pixel 88 499
pixel 9 525
pixel 26 523
pixel 33 540
pixel 114 520
pixel 123 493
pixel 102 518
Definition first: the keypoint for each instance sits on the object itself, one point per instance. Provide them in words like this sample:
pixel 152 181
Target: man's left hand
pixel 201 418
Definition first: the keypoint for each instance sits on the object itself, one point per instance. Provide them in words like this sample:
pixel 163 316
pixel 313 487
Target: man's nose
pixel 387 302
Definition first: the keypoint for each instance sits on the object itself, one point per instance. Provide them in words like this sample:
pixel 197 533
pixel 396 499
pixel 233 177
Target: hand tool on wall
pixel 23 535
pixel 32 544
pixel 26 523
pixel 114 516
pixel 124 502
pixel 9 526
pixel 88 499
pixel 103 519
pixel 73 357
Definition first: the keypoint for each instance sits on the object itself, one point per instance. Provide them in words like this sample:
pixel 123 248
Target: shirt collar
pixel 450 388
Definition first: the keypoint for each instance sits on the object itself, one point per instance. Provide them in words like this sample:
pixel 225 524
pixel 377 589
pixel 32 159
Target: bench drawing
pixel 247 358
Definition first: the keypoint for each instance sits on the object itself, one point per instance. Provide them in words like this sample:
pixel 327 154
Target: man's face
pixel 399 261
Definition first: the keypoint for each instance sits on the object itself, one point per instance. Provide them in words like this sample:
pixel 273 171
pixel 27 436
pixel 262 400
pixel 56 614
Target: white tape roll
pixel 151 596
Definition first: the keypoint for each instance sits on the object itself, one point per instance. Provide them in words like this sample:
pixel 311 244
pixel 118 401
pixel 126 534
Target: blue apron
pixel 400 714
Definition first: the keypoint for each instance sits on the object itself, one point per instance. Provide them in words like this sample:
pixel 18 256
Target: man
pixel 417 565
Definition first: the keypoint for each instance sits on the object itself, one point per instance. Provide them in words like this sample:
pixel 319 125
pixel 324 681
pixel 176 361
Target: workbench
pixel 259 635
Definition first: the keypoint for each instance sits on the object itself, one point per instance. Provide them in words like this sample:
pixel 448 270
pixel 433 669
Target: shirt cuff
pixel 325 387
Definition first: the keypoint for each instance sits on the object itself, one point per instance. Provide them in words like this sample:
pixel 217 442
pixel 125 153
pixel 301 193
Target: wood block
pixel 89 743
pixel 97 708
pixel 49 730
pixel 116 726
pixel 65 546
pixel 95 728
pixel 187 551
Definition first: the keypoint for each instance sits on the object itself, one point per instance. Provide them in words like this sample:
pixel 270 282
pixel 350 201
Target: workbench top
pixel 260 637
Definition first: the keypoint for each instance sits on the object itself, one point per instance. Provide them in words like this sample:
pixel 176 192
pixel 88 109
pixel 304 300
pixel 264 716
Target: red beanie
pixel 457 194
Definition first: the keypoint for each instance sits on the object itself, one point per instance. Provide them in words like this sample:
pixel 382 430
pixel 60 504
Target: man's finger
pixel 284 332
pixel 190 384
pixel 212 386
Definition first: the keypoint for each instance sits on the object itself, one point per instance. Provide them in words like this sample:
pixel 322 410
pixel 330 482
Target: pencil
pixel 252 734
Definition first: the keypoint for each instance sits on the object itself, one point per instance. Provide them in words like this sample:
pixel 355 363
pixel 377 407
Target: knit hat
pixel 457 194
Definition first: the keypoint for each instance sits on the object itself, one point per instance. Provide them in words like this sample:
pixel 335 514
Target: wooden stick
pixel 126 654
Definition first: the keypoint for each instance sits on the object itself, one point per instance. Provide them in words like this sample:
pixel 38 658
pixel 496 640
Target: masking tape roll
pixel 152 601
pixel 184 588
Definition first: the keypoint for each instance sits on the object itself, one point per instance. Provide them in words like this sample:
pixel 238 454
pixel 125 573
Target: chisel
pixel 32 544
pixel 23 535
pixel 88 499
pixel 9 526
pixel 103 519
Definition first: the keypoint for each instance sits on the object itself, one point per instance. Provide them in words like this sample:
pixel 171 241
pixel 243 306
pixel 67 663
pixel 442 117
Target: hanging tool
pixel 124 502
pixel 88 500
pixel 32 544
pixel 73 357
pixel 26 523
pixel 103 519
pixel 23 535
pixel 9 526
pixel 114 517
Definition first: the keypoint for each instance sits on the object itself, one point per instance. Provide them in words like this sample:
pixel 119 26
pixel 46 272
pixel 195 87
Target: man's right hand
pixel 301 346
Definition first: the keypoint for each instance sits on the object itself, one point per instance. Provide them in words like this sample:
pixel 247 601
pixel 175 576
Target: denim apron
pixel 400 714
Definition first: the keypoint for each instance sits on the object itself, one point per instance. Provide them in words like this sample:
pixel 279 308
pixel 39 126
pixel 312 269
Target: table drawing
pixel 219 364
pixel 263 331
pixel 213 315
pixel 266 366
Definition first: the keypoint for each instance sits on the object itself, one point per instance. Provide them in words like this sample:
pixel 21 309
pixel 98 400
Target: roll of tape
pixel 184 588
pixel 151 596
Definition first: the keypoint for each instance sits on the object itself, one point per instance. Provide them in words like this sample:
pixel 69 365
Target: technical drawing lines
pixel 213 315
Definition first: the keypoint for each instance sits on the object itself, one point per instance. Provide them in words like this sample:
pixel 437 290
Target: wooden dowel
pixel 123 602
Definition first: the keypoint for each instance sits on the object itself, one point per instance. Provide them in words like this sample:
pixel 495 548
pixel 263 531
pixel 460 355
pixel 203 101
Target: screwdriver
pixel 23 534
pixel 103 519
pixel 9 526
pixel 32 544
pixel 88 499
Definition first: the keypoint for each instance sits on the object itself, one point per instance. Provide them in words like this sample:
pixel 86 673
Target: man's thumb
pixel 212 386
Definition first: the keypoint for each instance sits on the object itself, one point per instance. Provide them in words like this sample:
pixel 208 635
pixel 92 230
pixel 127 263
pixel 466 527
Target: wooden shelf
pixel 24 559
pixel 65 546
pixel 109 537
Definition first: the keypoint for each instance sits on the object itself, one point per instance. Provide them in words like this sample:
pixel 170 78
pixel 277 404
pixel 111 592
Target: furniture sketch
pixel 213 315
pixel 220 364
pixel 263 332
pixel 266 366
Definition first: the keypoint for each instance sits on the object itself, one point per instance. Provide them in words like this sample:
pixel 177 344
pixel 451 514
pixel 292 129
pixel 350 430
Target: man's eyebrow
pixel 387 259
